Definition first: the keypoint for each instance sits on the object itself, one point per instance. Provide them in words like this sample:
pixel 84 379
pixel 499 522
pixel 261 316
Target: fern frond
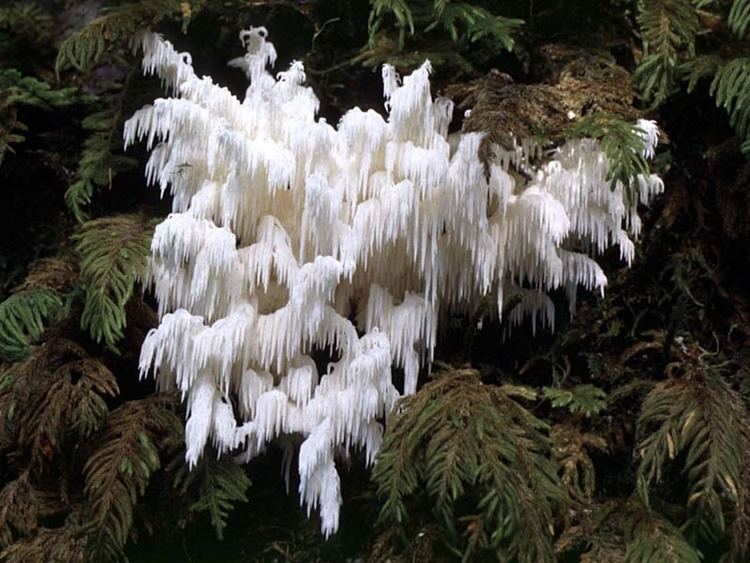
pixel 220 483
pixel 462 440
pixel 97 165
pixel 700 420
pixel 22 319
pixel 113 252
pixel 668 28
pixel 125 457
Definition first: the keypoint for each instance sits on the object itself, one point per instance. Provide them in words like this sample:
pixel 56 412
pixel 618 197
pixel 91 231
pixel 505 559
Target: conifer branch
pixel 622 141
pixel 616 531
pixel 83 49
pixel 463 22
pixel 33 92
pixel 17 89
pixel 220 483
pixel 668 29
pixel 22 319
pixel 463 440
pixel 125 457
pixel 731 89
pixel 98 165
pixel 68 543
pixel 18 510
pixel 739 18
pixel 699 420
pixel 572 449
pixel 58 391
pixel 113 252
pixel 583 399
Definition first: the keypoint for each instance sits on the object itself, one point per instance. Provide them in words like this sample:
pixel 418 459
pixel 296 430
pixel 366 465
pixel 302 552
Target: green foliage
pixel 399 9
pixel 572 448
pixel 472 448
pixel 220 484
pixel 731 89
pixel 653 539
pixel 624 531
pixel 126 455
pixel 621 141
pixel 53 414
pixel 700 67
pixel 25 20
pixel 83 49
pixel 31 91
pixel 22 319
pixel 463 465
pixel 113 254
pixel 10 126
pixel 65 544
pixel 18 509
pixel 583 399
pixel 17 89
pixel 58 392
pixel 471 22
pixel 98 165
pixel 464 23
pixel 668 29
pixel 739 17
pixel 698 421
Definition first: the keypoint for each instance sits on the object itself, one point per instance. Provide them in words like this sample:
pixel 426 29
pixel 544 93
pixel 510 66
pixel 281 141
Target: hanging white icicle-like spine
pixel 284 227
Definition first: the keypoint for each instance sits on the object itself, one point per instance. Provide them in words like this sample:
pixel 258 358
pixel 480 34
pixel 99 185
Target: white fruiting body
pixel 285 228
